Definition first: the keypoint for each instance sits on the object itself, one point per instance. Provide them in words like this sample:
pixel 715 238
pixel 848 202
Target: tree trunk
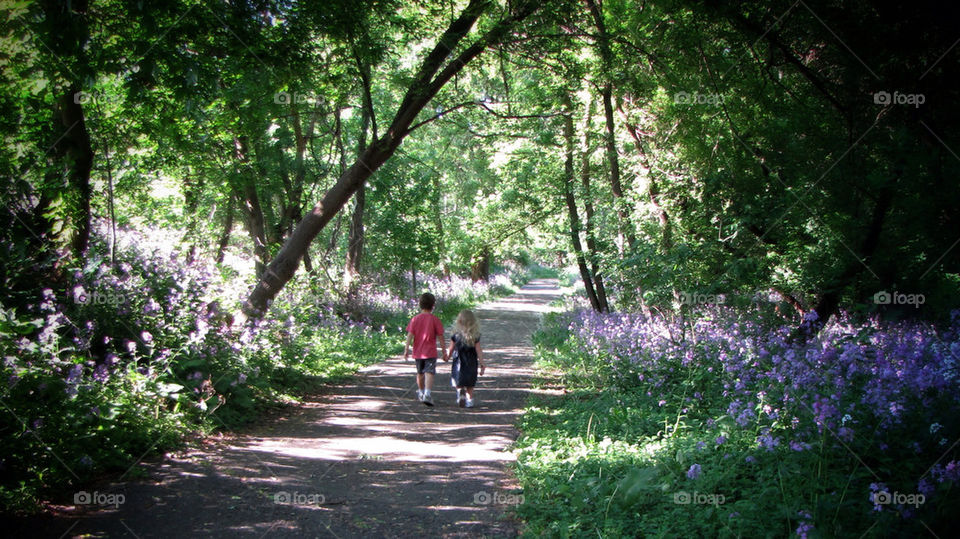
pixel 413 278
pixel 192 187
pixel 225 235
pixel 653 195
pixel 829 302
pixel 790 299
pixel 334 240
pixel 292 210
pixel 437 199
pixel 355 237
pixel 572 208
pixel 307 263
pixel 653 190
pixel 480 269
pixel 77 154
pixel 578 249
pixel 254 220
pixel 250 205
pixel 429 79
pixel 588 213
pixel 111 213
pixel 613 159
pixel 65 30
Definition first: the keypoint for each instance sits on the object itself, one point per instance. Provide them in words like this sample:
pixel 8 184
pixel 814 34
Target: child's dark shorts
pixel 428 366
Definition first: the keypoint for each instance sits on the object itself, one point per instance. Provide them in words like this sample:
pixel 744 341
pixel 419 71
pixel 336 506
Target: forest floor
pixel 363 458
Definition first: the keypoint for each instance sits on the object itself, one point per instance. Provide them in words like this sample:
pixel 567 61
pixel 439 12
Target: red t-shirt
pixel 425 329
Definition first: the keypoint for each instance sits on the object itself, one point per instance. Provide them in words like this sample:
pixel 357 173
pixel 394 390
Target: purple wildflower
pixel 804 529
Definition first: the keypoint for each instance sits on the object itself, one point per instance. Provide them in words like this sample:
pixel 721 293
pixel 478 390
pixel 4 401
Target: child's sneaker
pixel 461 397
pixel 427 398
pixel 469 403
pixel 420 395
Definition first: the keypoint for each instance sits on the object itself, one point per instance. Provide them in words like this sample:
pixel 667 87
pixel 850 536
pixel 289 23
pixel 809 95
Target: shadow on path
pixel 363 459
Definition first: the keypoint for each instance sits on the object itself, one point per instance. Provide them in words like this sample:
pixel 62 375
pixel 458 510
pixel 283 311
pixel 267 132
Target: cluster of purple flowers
pixel 870 387
pixel 462 287
pixel 152 310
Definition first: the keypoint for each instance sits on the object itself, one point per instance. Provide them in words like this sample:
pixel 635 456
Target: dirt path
pixel 364 459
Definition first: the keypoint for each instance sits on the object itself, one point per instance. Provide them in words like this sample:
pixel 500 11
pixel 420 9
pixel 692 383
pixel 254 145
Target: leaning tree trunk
pixel 429 79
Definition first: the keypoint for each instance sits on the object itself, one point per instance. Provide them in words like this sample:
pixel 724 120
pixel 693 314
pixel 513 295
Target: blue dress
pixel 463 372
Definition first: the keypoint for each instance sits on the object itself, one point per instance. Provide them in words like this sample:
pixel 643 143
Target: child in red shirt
pixel 422 333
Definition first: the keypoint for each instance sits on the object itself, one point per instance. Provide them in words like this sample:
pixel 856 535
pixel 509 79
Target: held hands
pixel 446 356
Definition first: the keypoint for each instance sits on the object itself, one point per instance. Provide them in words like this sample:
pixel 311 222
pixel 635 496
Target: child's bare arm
pixel 406 347
pixel 447 354
pixel 483 366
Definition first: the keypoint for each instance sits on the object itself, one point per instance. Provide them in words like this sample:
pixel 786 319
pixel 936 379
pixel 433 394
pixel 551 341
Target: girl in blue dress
pixel 467 357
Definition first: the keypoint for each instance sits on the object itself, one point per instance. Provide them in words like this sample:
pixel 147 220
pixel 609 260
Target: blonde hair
pixel 467 327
